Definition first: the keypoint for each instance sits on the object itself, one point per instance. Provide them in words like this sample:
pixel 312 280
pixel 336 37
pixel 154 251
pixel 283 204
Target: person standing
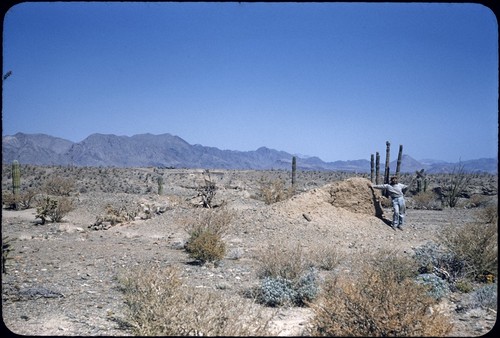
pixel 396 191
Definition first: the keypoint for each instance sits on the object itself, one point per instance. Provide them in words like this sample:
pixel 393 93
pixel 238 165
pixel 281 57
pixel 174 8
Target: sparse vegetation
pixel 273 191
pixel 380 303
pixel 160 305
pixel 339 270
pixel 288 276
pixel 458 181
pixel 205 242
pixel 54 209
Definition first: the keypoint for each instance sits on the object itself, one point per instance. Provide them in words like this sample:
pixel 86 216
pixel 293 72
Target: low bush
pixel 54 209
pixel 485 296
pixel 427 200
pixel 474 245
pixel 160 305
pixel 288 277
pixel 273 191
pixel 380 303
pixel 205 242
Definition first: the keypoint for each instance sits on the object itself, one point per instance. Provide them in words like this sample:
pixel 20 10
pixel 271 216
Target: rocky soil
pixel 61 277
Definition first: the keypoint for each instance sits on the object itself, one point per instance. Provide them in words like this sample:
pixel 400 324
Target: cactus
pixel 400 158
pixel 16 183
pixel 16 177
pixel 387 161
pixel 377 168
pixel 160 185
pixel 294 170
pixel 372 164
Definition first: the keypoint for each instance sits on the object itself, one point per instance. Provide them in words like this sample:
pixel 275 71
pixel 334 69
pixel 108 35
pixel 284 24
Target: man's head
pixel 394 180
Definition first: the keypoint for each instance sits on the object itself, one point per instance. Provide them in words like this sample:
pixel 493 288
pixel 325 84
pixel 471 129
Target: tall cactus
pixel 372 165
pixel 377 168
pixel 294 171
pixel 387 161
pixel 400 158
pixel 160 185
pixel 16 181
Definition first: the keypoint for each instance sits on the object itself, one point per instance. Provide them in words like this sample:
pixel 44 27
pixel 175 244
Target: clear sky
pixel 333 80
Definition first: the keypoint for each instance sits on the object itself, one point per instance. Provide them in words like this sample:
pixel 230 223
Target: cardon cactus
pixel 160 185
pixel 294 170
pixel 16 178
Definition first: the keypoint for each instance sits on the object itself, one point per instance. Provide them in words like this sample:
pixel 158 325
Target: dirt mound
pixel 353 195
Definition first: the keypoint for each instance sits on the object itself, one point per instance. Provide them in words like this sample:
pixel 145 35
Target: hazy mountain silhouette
pixel 166 150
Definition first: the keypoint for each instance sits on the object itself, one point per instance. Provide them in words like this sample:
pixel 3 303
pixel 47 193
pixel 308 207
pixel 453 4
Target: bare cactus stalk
pixel 16 183
pixel 372 165
pixel 160 185
pixel 377 168
pixel 294 171
pixel 400 158
pixel 387 161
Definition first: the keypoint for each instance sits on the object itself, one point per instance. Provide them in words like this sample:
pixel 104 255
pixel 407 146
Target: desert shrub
pixel 427 200
pixel 477 200
pixel 475 245
pixel 463 285
pixel 387 262
pixel 288 261
pixel 279 291
pixel 378 303
pixel 160 305
pixel 489 214
pixel 54 209
pixel 287 277
pixel 438 288
pixel 431 255
pixel 485 296
pixel 326 256
pixel 272 191
pixel 59 186
pixel 205 242
pixel 20 201
pixel 456 184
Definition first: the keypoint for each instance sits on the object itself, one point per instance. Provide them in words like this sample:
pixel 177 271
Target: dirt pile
pixel 354 195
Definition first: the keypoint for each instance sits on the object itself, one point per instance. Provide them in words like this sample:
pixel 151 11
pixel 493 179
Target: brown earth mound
pixel 354 194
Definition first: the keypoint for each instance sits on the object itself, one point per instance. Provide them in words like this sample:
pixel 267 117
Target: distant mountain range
pixel 166 150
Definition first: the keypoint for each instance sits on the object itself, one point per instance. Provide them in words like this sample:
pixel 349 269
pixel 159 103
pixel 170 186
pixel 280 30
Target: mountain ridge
pixel 167 150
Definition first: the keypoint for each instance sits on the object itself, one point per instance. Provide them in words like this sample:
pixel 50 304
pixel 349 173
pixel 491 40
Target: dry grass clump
pixel 427 200
pixel 273 191
pixel 381 301
pixel 474 245
pixel 160 305
pixel 205 242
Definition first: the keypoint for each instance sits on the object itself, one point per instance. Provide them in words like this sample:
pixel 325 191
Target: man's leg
pixel 395 216
pixel 402 211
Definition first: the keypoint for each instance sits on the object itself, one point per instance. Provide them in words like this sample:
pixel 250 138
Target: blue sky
pixel 333 80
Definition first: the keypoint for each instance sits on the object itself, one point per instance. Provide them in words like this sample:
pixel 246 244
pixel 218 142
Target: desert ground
pixel 61 277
